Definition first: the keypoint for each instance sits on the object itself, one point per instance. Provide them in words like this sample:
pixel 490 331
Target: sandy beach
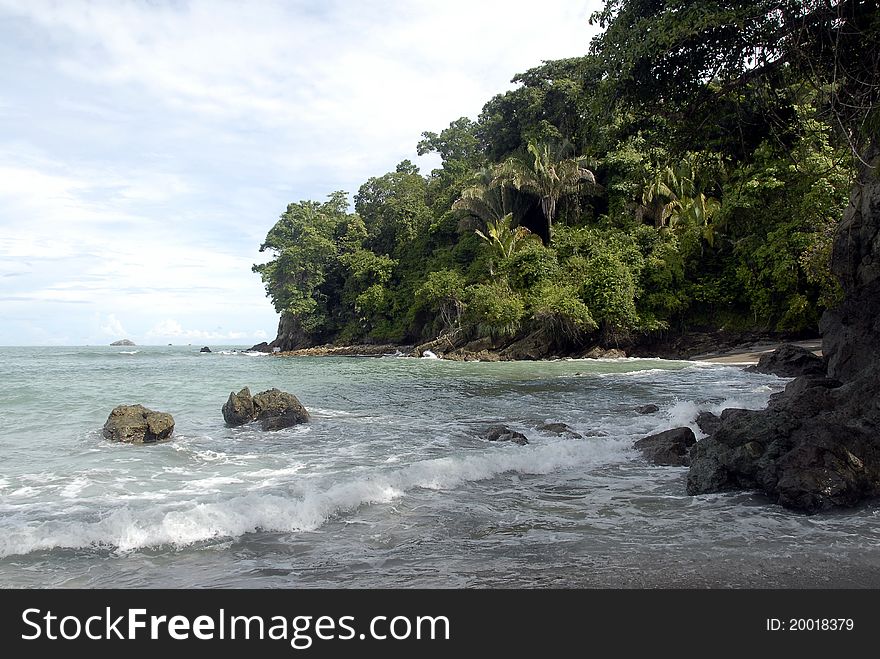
pixel 752 353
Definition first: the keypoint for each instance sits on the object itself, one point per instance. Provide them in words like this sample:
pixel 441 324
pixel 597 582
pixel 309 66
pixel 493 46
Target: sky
pixel 147 147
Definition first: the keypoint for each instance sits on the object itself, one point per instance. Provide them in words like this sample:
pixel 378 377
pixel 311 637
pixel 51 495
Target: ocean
pixel 389 485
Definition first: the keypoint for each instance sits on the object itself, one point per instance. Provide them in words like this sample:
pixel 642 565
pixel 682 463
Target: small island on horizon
pixel 123 342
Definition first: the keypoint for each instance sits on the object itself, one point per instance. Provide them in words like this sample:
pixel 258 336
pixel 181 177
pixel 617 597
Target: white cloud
pixel 112 327
pixel 171 329
pixel 164 139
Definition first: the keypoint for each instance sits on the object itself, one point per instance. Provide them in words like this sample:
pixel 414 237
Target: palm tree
pixel 488 200
pixel 503 238
pixel 672 196
pixel 658 197
pixel 548 177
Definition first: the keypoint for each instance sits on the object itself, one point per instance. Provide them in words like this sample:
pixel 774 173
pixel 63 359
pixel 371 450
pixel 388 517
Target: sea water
pixel 390 484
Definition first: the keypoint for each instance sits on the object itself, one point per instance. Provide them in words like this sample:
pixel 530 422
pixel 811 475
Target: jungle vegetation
pixel 687 172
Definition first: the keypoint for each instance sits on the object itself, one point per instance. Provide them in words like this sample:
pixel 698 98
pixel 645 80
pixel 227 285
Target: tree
pixel 685 56
pixel 305 255
pixel 489 200
pixel 675 197
pixel 457 144
pixel 547 176
pixel 393 208
pixel 504 239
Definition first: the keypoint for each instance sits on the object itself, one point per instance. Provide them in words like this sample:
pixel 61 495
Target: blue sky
pixel 147 147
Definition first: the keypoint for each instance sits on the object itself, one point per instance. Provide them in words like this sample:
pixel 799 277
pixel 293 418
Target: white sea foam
pixel 275 473
pixel 213 482
pixel 428 354
pixel 642 373
pixel 683 413
pixel 129 352
pixel 129 528
pixel 26 491
pixel 244 353
pixel 75 487
pixel 322 412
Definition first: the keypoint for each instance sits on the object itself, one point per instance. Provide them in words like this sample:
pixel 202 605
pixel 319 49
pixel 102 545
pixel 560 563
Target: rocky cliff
pixel 291 336
pixel 817 444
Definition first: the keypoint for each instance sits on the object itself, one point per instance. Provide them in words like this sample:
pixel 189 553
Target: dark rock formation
pixel 559 429
pixel 817 445
pixel 504 434
pixel 260 347
pixel 135 424
pixel 669 447
pixel 205 349
pixel 239 408
pixel 123 342
pixel 813 448
pixel 278 409
pixel 789 361
pixel 650 408
pixel 275 409
pixel 291 334
pixel 534 346
pixel 602 353
pixel 708 422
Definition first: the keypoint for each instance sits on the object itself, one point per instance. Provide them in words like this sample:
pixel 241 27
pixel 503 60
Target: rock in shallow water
pixel 504 434
pixel 276 409
pixel 560 430
pixel 238 408
pixel 708 422
pixel 135 424
pixel 814 447
pixel 669 448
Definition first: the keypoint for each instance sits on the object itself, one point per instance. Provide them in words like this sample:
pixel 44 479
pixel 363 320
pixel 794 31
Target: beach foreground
pixel 390 483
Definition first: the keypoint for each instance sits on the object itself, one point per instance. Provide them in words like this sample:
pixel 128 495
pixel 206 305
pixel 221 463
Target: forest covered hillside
pixel 688 172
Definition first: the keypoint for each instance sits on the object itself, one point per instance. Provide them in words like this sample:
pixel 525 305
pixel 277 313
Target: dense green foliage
pixel 688 171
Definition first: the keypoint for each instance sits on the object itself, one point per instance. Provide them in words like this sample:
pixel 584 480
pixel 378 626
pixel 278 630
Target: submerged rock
pixel 135 424
pixel 789 361
pixel 650 408
pixel 559 429
pixel 668 448
pixel 276 409
pixel 501 433
pixel 205 349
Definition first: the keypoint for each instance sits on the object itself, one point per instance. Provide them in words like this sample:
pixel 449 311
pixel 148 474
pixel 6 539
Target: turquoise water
pixel 389 485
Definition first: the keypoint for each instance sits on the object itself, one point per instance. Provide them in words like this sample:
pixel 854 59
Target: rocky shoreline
pixel 720 346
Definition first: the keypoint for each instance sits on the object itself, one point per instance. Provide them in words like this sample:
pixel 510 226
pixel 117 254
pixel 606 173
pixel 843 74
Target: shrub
pixel 561 313
pixel 494 309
